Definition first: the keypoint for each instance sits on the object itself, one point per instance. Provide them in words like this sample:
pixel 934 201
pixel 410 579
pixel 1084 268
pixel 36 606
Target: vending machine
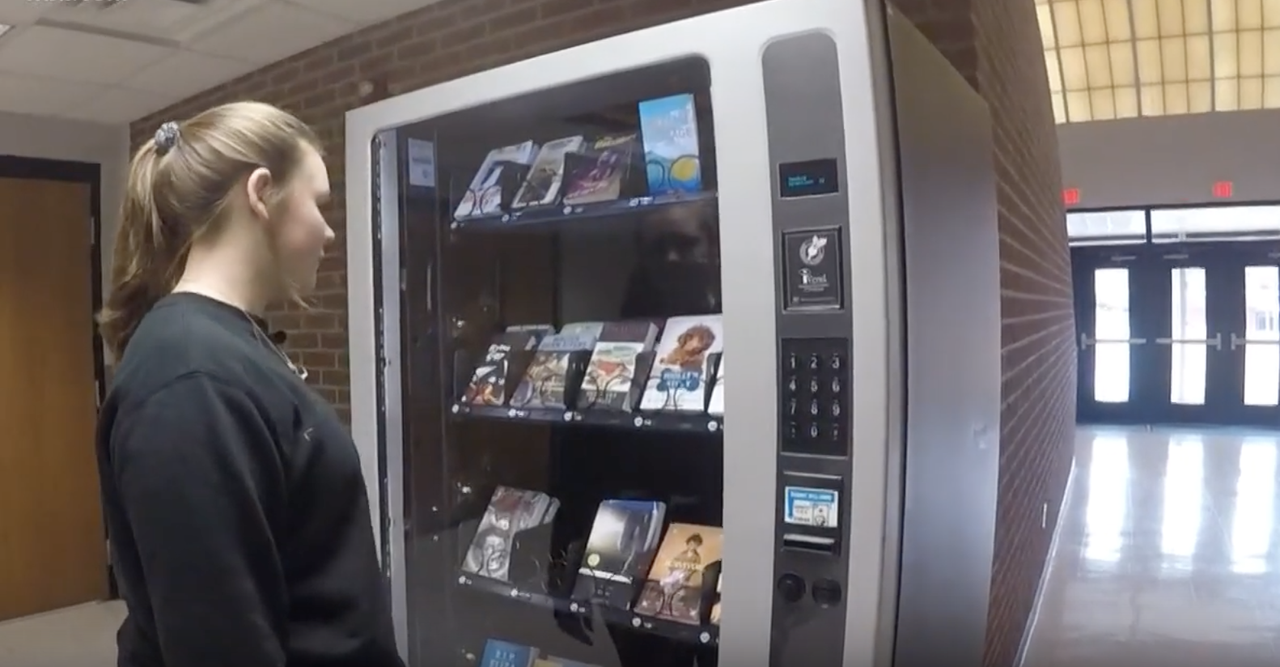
pixel 681 348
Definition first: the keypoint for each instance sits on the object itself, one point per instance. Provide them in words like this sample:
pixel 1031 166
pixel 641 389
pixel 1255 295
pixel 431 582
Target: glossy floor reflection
pixel 1168 554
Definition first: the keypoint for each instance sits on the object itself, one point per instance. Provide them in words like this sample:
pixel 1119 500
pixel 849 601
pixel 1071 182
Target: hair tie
pixel 166 137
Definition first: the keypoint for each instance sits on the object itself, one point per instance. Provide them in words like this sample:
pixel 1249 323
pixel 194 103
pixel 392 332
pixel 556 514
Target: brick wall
pixel 994 43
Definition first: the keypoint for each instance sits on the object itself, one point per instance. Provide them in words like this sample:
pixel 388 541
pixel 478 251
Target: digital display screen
pixel 808 178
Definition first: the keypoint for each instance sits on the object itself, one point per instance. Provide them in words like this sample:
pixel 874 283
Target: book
pixel 607 382
pixel 542 186
pixel 673 589
pixel 488 385
pixel 592 329
pixel 621 546
pixel 538 330
pixel 715 608
pixel 715 406
pixel 507 654
pixel 484 194
pixel 509 512
pixel 669 131
pixel 552 661
pixel 681 367
pixel 602 170
pixel 543 384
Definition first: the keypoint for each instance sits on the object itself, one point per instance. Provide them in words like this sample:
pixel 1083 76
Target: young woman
pixel 239 521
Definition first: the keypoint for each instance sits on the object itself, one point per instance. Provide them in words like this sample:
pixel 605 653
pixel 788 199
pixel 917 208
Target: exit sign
pixel 1223 189
pixel 1070 196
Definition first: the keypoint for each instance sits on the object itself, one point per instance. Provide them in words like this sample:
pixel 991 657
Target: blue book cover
pixel 505 654
pixel 669 131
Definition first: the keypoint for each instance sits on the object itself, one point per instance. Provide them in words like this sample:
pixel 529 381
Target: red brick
pixel 993 43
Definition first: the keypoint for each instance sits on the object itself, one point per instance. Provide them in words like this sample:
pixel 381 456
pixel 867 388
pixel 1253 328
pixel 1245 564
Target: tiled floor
pixel 83 636
pixel 1168 553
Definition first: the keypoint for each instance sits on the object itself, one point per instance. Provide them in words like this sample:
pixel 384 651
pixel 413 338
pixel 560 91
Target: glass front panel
pixel 1111 332
pixel 564 391
pixel 1188 331
pixel 1261 335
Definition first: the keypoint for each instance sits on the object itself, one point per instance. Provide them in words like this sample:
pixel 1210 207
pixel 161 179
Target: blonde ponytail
pixel 146 260
pixel 178 189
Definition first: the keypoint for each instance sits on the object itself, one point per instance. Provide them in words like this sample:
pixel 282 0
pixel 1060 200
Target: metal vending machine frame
pixel 819 170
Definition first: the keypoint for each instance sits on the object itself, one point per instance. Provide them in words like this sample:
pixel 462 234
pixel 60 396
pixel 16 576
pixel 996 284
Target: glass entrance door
pixel 1109 334
pixel 1189 369
pixel 1252 334
pixel 1185 333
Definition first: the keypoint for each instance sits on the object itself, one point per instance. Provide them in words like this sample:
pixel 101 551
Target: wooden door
pixel 52 542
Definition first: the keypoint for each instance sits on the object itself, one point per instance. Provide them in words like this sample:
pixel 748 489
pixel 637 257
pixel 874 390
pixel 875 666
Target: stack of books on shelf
pixel 593 368
pixel 657 162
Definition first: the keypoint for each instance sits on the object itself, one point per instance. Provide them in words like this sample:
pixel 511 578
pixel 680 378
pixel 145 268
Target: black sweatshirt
pixel 238 516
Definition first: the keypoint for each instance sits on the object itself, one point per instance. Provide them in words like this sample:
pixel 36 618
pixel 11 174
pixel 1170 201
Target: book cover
pixel 488 385
pixel 715 406
pixel 553 661
pixel 507 654
pixel 678 380
pixel 484 194
pixel 623 539
pixel 602 176
pixel 543 384
pixel 715 608
pixel 669 130
pixel 538 330
pixel 673 589
pixel 509 512
pixel 592 329
pixel 608 379
pixel 542 186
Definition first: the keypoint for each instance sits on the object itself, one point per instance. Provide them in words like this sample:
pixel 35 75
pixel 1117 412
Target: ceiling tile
pixel 73 56
pixel 271 32
pixel 20 12
pixel 186 74
pixel 370 11
pixel 118 105
pixel 20 94
pixel 155 19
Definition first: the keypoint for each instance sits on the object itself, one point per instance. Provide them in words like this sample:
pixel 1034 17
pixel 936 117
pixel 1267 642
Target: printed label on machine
pixel 819 508
pixel 813 265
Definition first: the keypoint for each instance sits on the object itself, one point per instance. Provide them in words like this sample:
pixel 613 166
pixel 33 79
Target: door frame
pixel 1085 260
pixel 87 173
pixel 1218 265
pixel 1247 254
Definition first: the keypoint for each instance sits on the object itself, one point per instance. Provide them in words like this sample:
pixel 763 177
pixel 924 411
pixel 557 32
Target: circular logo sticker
pixel 813 250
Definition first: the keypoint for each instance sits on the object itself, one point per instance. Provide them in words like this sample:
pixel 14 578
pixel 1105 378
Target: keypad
pixel 815 397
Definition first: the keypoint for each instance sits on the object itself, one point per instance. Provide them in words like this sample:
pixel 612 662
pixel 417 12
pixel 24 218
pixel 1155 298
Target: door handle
pixel 1086 341
pixel 1215 342
pixel 1241 341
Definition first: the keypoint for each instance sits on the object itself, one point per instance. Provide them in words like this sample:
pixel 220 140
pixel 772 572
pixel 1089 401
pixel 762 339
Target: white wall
pixel 1172 160
pixel 106 145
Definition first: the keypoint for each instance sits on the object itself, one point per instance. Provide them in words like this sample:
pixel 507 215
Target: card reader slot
pixel 810 543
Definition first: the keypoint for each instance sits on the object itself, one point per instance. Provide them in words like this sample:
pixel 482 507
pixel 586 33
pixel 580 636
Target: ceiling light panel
pixel 1110 59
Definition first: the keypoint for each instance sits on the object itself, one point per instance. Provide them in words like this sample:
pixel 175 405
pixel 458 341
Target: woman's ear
pixel 257 187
